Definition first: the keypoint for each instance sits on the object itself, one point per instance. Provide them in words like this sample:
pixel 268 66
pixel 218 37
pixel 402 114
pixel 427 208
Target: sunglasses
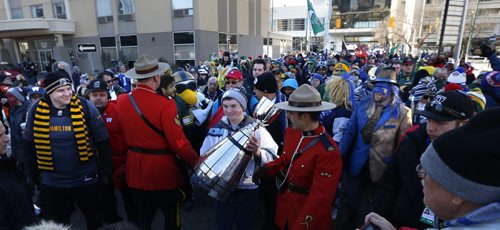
pixel 232 82
pixel 110 81
pixel 438 108
pixel 179 88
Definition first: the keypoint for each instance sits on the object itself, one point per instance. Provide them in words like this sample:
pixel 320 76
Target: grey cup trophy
pixel 219 171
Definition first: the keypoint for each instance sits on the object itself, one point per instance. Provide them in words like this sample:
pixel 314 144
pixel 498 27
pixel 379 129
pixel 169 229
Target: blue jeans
pixel 240 209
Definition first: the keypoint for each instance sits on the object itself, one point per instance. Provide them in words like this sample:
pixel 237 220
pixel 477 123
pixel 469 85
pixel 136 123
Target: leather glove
pixel 486 51
pixel 258 173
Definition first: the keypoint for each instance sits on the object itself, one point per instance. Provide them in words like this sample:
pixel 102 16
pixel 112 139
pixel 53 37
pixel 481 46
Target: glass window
pixel 222 38
pixel 184 38
pixel 37 11
pixel 126 6
pixel 16 13
pixel 184 52
pixel 184 46
pixel 130 40
pixel 111 51
pixel 182 4
pixel 59 10
pixel 283 24
pixel 128 54
pixel 298 24
pixel 233 39
pixel 104 8
pixel 108 42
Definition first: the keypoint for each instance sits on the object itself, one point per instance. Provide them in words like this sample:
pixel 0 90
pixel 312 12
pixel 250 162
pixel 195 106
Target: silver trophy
pixel 219 171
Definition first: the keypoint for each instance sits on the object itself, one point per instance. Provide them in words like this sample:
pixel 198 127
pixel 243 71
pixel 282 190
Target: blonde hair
pixel 338 90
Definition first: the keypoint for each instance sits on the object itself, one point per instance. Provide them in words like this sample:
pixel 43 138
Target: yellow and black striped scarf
pixel 41 133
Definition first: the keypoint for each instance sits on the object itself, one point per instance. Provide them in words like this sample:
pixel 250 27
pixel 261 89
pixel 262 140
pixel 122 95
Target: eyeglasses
pixel 438 108
pixel 110 81
pixel 179 88
pixel 420 171
pixel 232 82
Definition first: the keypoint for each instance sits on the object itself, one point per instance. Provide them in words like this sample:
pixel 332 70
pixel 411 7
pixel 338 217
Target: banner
pixel 316 25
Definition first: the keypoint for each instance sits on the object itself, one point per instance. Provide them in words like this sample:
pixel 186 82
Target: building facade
pixel 351 21
pixel 177 31
pixel 422 21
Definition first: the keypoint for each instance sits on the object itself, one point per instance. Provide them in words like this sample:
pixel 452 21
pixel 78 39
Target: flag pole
pixel 307 28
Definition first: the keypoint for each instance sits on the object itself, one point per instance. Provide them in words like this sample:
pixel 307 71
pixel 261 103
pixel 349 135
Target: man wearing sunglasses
pixel 399 196
pixel 113 87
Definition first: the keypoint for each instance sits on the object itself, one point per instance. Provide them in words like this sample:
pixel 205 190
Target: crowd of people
pixel 342 153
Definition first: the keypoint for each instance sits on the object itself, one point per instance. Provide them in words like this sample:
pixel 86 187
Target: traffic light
pixel 338 23
pixel 391 22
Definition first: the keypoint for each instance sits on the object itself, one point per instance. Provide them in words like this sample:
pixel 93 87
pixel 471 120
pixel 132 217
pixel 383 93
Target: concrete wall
pixel 85 14
pixel 203 10
pixel 153 16
pixel 250 45
pixel 160 46
pixel 207 43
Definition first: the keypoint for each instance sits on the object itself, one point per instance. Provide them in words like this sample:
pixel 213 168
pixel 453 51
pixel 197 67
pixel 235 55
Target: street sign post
pixel 87 47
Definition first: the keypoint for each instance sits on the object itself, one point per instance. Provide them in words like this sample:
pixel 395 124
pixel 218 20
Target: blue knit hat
pixel 292 83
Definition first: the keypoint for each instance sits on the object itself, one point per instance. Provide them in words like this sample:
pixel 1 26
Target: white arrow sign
pixel 87 48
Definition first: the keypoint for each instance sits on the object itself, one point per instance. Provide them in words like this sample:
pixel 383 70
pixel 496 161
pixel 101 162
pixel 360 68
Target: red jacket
pixel 153 171
pixel 318 169
pixel 117 141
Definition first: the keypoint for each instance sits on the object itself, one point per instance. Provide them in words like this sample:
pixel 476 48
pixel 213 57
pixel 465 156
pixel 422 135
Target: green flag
pixel 393 49
pixel 316 25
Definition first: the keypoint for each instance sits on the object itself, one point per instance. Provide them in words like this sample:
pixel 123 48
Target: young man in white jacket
pixel 242 204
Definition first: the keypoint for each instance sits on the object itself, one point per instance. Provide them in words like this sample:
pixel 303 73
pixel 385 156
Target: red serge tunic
pixel 317 169
pixel 153 171
pixel 116 138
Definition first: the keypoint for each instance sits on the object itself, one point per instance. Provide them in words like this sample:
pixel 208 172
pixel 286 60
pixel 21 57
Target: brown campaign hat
pixel 147 66
pixel 305 99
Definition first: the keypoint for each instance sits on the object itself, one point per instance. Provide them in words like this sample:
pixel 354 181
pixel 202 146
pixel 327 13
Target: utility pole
pixel 327 27
pixel 272 23
pixel 443 26
pixel 471 31
pixel 307 28
pixel 458 48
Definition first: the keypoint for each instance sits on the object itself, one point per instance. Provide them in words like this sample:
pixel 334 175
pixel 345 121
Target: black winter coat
pixel 399 197
pixel 16 206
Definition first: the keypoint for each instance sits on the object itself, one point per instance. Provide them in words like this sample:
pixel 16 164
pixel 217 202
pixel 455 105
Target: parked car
pixel 10 70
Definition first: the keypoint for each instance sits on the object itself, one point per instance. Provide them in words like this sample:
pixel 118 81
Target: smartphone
pixel 369 226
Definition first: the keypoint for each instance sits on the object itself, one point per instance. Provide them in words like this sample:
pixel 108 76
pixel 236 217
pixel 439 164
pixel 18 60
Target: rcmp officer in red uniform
pixel 310 162
pixel 155 142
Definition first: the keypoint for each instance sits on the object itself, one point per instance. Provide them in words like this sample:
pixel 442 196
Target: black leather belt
pixel 150 151
pixel 298 189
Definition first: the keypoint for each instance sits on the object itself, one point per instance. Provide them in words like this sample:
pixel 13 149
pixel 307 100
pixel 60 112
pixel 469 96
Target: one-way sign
pixel 87 47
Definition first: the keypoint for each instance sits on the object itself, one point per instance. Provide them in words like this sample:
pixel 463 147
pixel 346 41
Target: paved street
pixel 200 218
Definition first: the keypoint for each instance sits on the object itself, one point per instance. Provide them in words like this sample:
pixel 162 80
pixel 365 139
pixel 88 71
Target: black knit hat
pixel 97 84
pixel 466 160
pixel 54 80
pixel 449 106
pixel 266 82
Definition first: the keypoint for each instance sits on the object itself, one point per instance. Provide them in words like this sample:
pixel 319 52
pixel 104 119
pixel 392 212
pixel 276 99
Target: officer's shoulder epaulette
pixel 325 140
